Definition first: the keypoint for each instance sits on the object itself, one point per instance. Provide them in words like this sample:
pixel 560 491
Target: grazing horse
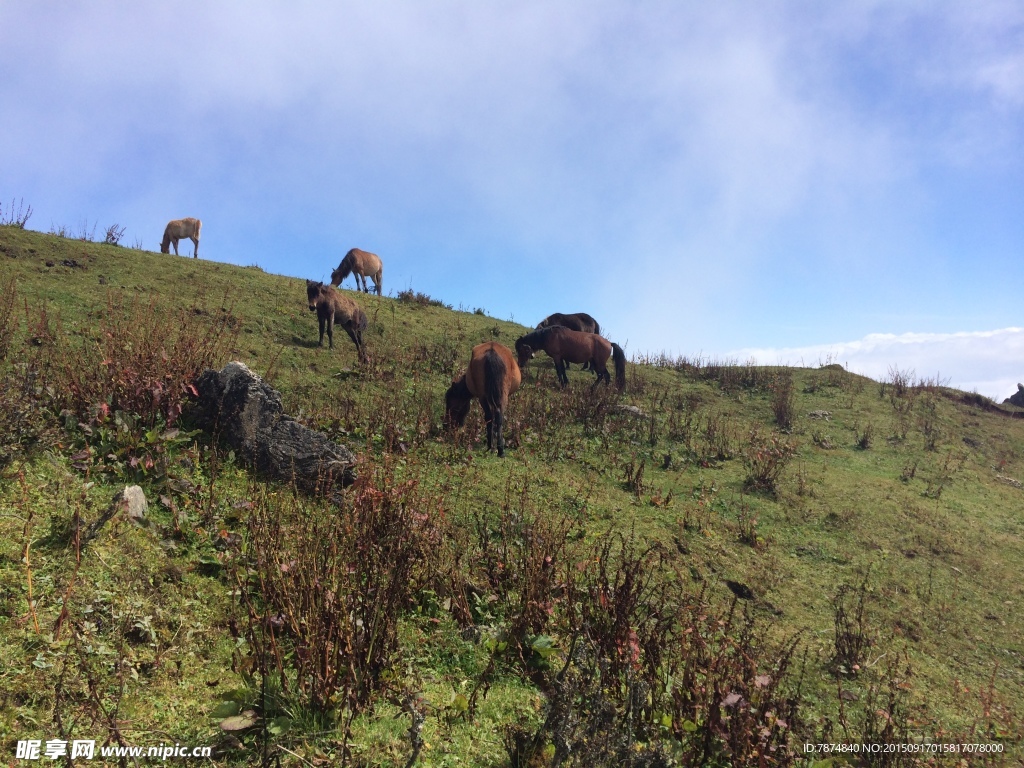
pixel 179 229
pixel 567 346
pixel 577 321
pixel 364 264
pixel 330 307
pixel 491 376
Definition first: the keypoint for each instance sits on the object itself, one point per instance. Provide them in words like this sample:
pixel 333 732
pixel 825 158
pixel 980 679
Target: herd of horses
pixel 493 374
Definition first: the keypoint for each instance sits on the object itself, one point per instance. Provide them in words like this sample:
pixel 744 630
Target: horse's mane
pixel 345 268
pixel 459 389
pixel 539 335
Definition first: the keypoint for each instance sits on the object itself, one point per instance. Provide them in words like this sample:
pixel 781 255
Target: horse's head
pixel 313 294
pixel 343 271
pixel 524 352
pixel 165 246
pixel 456 403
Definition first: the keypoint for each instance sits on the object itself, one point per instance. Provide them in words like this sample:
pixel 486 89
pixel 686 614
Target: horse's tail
pixel 597 328
pixel 379 279
pixel 359 320
pixel 620 366
pixel 494 379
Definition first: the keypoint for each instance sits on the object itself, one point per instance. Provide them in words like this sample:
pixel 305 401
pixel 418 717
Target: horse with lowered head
pixel 331 307
pixel 577 321
pixel 363 264
pixel 564 345
pixel 491 376
pixel 179 229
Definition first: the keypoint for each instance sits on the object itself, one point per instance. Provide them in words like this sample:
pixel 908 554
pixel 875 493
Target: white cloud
pixel 990 362
pixel 694 174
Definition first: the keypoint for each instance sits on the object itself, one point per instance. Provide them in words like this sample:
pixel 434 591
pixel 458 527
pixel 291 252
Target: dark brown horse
pixel 567 346
pixel 364 265
pixel 491 376
pixel 331 307
pixel 577 321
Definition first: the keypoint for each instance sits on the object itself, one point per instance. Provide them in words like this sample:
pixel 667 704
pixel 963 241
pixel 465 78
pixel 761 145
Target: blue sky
pixel 791 181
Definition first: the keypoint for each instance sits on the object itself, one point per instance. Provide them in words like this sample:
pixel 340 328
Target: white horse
pixel 179 229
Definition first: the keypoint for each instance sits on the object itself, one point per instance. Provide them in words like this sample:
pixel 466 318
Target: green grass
pixel 942 550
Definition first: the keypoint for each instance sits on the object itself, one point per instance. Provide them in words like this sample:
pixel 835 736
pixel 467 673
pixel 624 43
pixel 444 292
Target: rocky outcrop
pixel 246 414
pixel 1016 398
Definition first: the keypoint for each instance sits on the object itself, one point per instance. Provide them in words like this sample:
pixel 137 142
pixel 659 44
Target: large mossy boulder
pixel 1017 398
pixel 245 413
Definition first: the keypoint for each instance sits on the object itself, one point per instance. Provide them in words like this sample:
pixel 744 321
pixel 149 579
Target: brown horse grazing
pixel 491 376
pixel 179 229
pixel 364 264
pixel 567 346
pixel 577 321
pixel 330 307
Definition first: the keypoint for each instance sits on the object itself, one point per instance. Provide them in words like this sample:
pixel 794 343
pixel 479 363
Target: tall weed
pixel 324 588
pixel 765 457
pixel 141 360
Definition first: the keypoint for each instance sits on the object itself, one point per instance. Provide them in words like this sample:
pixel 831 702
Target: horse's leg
pixel 195 251
pixel 560 370
pixel 499 426
pixel 323 324
pixel 175 246
pixel 330 330
pixel 355 340
pixel 489 419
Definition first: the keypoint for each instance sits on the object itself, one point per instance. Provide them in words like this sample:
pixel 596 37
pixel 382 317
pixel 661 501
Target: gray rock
pixel 133 501
pixel 629 410
pixel 246 414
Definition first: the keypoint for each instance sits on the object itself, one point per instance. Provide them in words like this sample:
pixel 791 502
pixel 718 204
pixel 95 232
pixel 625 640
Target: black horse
pixel 578 321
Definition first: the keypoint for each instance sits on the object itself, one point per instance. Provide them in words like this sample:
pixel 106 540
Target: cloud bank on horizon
pixel 699 177
pixel 938 357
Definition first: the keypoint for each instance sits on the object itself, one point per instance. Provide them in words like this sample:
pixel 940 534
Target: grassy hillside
pixel 842 556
